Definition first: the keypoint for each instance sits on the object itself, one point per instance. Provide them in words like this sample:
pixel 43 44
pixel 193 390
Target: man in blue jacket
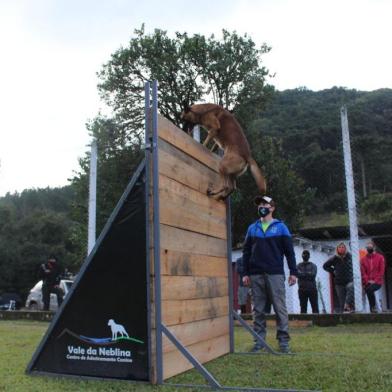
pixel 267 241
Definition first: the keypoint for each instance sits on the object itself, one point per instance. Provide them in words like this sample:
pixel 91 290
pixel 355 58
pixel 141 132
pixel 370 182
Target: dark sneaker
pixel 348 309
pixel 285 349
pixel 256 348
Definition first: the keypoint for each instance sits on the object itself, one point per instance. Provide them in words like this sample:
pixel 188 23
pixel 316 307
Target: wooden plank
pixel 176 239
pixel 182 207
pixel 175 363
pixel 187 264
pixel 198 331
pixel 189 310
pixel 191 287
pixel 175 188
pixel 180 167
pixel 178 138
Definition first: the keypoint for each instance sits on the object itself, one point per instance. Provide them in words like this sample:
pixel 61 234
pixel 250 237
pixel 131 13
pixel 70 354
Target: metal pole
pixel 147 155
pixel 157 250
pixel 352 209
pixel 230 272
pixel 92 200
pixel 253 333
pixel 196 364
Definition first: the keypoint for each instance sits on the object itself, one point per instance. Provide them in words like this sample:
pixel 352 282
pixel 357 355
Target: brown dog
pixel 225 130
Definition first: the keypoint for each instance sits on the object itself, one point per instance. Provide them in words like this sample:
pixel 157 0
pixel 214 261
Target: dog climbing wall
pixel 193 252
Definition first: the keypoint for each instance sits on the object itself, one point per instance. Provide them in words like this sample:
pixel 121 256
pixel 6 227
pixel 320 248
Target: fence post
pixel 352 210
pixel 92 200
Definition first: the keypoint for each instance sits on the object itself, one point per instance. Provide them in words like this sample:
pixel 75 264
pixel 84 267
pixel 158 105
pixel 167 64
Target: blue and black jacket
pixel 264 252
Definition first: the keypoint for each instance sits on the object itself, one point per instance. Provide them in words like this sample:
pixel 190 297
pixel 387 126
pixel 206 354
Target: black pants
pixel 312 296
pixel 47 290
pixel 370 289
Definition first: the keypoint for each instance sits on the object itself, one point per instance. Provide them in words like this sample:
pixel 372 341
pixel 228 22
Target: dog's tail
pixel 257 175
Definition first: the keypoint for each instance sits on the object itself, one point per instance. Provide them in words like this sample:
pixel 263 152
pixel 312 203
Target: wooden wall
pixel 193 252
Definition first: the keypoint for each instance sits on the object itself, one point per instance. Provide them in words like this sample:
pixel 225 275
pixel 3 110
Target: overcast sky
pixel 52 49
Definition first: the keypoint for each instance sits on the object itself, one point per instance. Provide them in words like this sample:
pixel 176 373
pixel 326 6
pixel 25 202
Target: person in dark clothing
pixel 50 273
pixel 307 290
pixel 340 265
pixel 267 242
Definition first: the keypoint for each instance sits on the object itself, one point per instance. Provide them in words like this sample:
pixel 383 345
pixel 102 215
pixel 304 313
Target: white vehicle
pixel 34 299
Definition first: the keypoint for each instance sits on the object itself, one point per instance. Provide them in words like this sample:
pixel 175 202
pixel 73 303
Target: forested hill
pixel 54 199
pixel 309 126
pixel 33 225
pixel 296 138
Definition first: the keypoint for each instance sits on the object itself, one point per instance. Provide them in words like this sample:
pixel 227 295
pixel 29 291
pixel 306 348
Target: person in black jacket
pixel 50 273
pixel 307 290
pixel 268 241
pixel 341 266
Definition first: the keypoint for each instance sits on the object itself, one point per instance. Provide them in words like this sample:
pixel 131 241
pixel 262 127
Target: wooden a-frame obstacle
pixel 154 297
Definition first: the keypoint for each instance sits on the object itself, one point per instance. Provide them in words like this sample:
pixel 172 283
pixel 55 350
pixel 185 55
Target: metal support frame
pixel 198 366
pixel 254 334
pixel 147 132
pixel 223 388
pixel 151 143
pixel 230 271
pixel 156 234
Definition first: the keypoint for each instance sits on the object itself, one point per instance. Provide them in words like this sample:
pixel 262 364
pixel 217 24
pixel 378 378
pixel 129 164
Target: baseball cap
pixel 267 199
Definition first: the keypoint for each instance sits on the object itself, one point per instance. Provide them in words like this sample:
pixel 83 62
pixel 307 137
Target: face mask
pixel 370 250
pixel 263 211
pixel 305 257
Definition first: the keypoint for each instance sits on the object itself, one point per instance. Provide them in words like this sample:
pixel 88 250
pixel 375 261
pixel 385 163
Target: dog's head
pixel 110 322
pixel 188 118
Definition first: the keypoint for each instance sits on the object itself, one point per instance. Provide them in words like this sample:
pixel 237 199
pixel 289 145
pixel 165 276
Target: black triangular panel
pixel 101 330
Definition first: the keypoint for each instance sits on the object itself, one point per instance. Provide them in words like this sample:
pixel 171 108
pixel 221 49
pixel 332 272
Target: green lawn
pixel 343 358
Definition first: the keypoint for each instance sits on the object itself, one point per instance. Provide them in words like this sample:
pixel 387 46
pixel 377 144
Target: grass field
pixel 343 358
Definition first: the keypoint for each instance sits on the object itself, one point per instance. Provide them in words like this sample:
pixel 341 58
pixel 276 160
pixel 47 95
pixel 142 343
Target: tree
pixel 284 184
pixel 308 124
pixel 378 207
pixel 117 160
pixel 189 69
pixel 33 225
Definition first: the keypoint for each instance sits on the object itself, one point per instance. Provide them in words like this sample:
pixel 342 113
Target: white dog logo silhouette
pixel 117 329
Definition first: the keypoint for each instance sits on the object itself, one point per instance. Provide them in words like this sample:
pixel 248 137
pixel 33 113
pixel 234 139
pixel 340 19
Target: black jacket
pixel 50 275
pixel 341 268
pixel 265 252
pixel 307 272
